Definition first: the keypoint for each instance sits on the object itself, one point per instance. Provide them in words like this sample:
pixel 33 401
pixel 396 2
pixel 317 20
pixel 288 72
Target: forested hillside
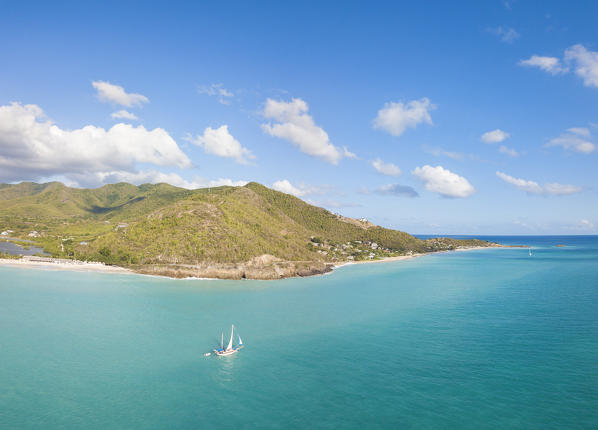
pixel 135 226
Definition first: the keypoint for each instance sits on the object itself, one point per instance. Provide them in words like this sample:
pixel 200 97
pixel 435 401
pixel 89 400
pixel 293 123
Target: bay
pixel 483 339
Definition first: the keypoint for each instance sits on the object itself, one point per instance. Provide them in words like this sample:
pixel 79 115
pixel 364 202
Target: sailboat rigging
pixel 230 348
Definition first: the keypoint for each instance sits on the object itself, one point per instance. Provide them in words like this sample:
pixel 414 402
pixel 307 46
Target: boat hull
pixel 225 353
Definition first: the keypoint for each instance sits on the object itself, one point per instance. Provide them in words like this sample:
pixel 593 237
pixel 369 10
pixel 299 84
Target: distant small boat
pixel 230 349
pixel 530 251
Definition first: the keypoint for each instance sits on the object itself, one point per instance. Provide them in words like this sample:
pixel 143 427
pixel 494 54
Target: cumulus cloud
pixel 298 127
pixel 108 92
pixel 506 34
pixel 495 136
pixel 221 143
pixel 151 176
pixel 550 65
pixel 299 190
pixel 349 154
pixel 532 187
pixel 578 58
pixel 585 64
pixel 575 139
pixel 444 182
pixel 205 183
pixel 397 190
pixel 123 114
pixel 395 118
pixel 224 95
pixel 285 186
pixel 32 147
pixel 508 151
pixel 387 169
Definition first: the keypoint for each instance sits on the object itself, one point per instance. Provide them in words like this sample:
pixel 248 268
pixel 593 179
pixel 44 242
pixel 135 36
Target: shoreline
pixel 62 264
pixel 409 257
pixel 27 262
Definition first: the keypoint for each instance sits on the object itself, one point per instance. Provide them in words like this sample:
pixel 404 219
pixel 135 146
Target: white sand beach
pixel 61 264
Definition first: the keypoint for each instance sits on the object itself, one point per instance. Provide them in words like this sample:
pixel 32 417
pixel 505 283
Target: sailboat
pixel 530 251
pixel 230 349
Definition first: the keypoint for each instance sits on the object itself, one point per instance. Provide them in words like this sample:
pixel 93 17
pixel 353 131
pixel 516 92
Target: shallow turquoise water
pixel 480 339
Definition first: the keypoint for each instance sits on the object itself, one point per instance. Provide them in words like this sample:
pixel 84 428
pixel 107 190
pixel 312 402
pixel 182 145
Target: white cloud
pixel 395 118
pixel 583 62
pixel 155 177
pixel 299 190
pixel 586 224
pixel 524 185
pixel 223 94
pixel 123 114
pixel 586 64
pixel 284 186
pixel 575 140
pixel 32 147
pixel 349 154
pixel 532 187
pixel 508 151
pixel 550 65
pixel 108 92
pixel 582 131
pixel 495 136
pixel 444 182
pixel 556 189
pixel 298 127
pixel 221 143
pixel 204 183
pixel 506 34
pixel 387 169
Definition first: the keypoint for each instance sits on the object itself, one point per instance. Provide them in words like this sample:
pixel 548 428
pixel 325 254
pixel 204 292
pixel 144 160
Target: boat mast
pixel 221 340
pixel 230 343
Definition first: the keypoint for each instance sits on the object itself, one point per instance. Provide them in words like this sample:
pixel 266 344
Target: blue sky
pixel 457 118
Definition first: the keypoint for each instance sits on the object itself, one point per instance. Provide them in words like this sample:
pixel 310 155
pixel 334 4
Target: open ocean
pixel 484 339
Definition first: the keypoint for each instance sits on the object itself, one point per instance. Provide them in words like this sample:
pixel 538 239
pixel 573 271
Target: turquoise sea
pixel 484 339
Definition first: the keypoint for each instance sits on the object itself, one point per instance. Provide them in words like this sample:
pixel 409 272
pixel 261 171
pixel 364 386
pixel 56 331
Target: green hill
pixel 169 230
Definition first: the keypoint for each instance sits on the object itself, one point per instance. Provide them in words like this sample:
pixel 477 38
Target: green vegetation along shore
pixel 224 232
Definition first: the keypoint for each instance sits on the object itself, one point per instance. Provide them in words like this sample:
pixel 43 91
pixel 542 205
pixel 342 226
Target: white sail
pixel 230 342
pixel 240 341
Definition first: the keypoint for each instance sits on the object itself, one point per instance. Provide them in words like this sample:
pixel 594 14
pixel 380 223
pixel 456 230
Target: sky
pixel 428 117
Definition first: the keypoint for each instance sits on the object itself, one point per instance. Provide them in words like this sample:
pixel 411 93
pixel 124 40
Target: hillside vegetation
pixel 172 229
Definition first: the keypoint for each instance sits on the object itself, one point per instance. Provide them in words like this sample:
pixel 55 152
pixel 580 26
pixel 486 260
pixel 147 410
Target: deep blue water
pixel 485 339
